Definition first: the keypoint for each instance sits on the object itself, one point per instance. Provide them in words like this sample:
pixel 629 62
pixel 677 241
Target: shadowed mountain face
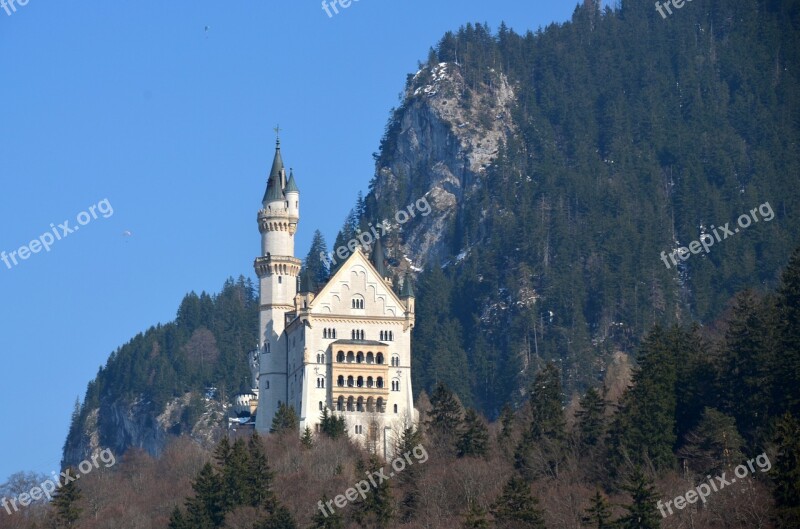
pixel 560 165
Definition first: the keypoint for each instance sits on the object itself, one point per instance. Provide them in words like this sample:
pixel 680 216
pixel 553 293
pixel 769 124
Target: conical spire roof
pixel 378 258
pixel 291 186
pixel 275 182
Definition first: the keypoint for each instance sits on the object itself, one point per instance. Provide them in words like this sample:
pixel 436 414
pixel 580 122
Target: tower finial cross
pixel 277 130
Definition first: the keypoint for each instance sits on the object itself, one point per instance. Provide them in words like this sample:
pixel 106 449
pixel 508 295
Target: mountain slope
pixel 559 165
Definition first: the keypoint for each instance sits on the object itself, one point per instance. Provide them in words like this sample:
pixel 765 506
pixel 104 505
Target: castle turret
pixel 277 269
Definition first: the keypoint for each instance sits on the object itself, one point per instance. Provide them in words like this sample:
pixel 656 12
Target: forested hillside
pixel 706 404
pixel 619 136
pixel 156 384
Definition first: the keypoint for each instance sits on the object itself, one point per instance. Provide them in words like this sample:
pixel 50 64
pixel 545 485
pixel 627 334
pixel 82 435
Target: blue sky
pixel 138 104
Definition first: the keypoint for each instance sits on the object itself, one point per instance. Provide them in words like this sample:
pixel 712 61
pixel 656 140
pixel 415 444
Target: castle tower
pixel 277 269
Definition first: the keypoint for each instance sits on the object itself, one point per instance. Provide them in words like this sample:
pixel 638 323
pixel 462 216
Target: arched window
pixel 381 338
pixel 360 357
pixel 360 404
pixel 340 356
pixel 350 381
pixel 379 358
pixel 371 404
pixel 357 302
pixel 350 404
pixel 370 382
pixel 360 382
pixel 391 336
pixel 395 408
pixel 320 405
pixel 324 333
pixel 381 405
pixel 370 357
pixel 350 356
pixel 340 403
pixel 380 382
pixel 395 385
pixel 340 381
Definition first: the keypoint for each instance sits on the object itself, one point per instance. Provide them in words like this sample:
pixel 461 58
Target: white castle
pixel 346 348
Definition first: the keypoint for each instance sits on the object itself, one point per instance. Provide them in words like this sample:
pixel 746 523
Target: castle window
pixel 280 280
pixel 360 358
pixel 380 382
pixel 359 429
pixel 379 358
pixel 340 381
pixel 320 406
pixel 370 358
pixel 395 408
pixel 350 381
pixel 360 404
pixel 321 382
pixel 395 360
pixel 340 403
pixel 321 358
pixel 360 382
pixel 357 302
pixel 395 385
pixel 350 357
pixel 266 384
pixel 381 405
pixel 370 382
pixel 371 404
pixel 340 356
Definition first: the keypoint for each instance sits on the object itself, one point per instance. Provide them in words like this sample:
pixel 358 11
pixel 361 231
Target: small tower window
pixel 395 408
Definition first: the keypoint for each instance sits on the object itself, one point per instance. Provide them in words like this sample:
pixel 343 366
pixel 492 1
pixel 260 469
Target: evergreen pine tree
pixel 788 337
pixel 598 515
pixel 327 520
pixel 315 265
pixel 281 518
pixel 234 475
pixel 642 512
pixel 258 480
pixel 475 518
pixel 714 445
pixel 285 420
pixel 177 521
pixel 474 440
pixel 66 503
pixel 377 509
pixel 747 371
pixel 308 438
pixel 331 425
pixel 507 425
pixel 591 418
pixel 644 428
pixel 517 507
pixel 206 509
pixel 445 415
pixel 541 448
pixel 787 471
